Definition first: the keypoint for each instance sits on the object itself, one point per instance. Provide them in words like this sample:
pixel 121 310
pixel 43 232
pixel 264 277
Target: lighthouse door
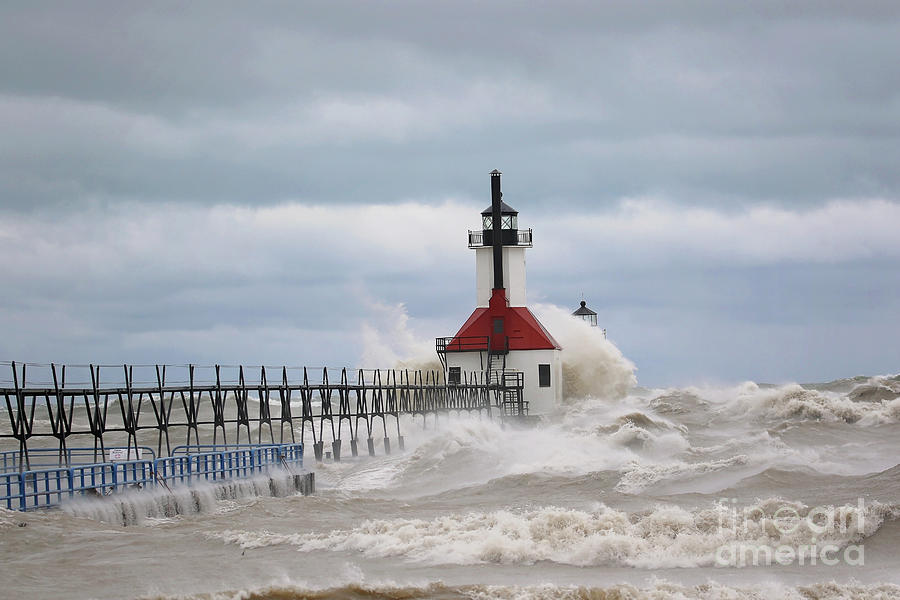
pixel 498 335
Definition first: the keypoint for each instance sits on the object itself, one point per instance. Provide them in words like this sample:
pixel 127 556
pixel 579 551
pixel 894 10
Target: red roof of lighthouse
pixel 525 332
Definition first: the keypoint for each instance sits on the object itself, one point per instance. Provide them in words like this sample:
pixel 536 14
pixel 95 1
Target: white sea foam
pixel 707 591
pixel 9 518
pixel 666 536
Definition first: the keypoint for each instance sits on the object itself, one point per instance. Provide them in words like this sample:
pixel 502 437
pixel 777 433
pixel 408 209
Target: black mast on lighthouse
pixel 496 201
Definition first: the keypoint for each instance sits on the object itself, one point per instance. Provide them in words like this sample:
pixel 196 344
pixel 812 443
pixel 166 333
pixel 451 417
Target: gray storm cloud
pixel 347 102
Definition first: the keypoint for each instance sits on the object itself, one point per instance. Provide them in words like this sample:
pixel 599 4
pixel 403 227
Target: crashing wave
pixel 876 389
pixel 639 477
pixel 794 401
pixel 593 367
pixel 663 537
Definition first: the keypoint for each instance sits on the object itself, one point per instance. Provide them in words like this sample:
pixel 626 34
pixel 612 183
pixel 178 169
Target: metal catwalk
pixel 53 408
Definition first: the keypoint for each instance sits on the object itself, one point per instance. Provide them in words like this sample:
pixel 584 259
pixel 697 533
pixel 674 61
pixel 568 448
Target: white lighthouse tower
pixel 502 340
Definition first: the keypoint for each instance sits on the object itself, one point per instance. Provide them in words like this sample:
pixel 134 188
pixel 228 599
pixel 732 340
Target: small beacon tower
pixel 502 340
pixel 587 315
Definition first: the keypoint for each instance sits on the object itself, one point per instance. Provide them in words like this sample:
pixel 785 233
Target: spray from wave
pixel 389 340
pixel 136 507
pixel 592 365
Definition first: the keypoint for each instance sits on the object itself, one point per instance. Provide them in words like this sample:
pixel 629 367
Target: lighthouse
pixel 502 341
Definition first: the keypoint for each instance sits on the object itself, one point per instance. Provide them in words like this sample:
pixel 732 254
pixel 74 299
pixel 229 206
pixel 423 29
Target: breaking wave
pixel 866 404
pixel 589 438
pixel 639 477
pixel 644 440
pixel 664 537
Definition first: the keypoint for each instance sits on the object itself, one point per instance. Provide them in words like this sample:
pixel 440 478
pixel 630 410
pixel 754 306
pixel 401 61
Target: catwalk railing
pixel 53 410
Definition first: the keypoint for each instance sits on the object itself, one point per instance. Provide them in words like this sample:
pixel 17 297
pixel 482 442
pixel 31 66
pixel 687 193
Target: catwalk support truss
pixel 54 408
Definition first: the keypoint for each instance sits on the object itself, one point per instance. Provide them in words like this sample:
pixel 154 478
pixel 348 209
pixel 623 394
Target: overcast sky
pixel 268 182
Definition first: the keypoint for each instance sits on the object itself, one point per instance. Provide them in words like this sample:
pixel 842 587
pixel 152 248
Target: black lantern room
pixel 510 235
pixel 586 314
pixel 509 225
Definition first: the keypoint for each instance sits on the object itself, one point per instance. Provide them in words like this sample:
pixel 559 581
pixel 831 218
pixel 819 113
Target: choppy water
pixel 648 495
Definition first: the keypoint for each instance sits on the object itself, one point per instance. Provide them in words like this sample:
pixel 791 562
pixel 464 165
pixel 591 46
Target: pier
pixel 91 429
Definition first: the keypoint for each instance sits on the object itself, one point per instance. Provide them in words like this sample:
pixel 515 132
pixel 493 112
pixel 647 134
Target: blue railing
pixel 41 488
pixel 39 458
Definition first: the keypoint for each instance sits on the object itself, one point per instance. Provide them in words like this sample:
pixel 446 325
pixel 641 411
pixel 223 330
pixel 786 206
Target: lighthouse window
pixel 488 222
pixel 498 324
pixel 544 375
pixel 454 376
pixel 509 222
